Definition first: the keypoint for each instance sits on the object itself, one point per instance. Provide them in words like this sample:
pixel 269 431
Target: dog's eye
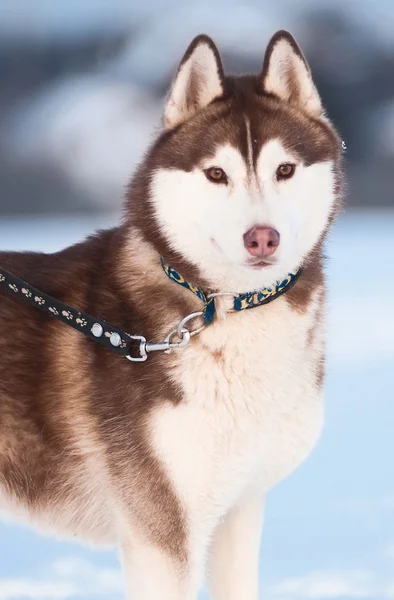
pixel 285 171
pixel 216 175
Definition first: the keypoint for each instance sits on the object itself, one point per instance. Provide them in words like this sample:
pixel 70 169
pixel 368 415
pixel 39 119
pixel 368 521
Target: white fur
pixel 251 414
pixel 193 212
pixel 252 409
pixel 284 62
pixel 151 574
pixel 249 418
pixel 234 561
pixel 250 144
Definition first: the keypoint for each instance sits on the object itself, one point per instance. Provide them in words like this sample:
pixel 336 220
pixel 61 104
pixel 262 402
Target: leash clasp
pixel 142 349
pixel 181 332
pixel 184 339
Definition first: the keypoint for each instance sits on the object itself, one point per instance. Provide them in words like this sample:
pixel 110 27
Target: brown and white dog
pixel 171 459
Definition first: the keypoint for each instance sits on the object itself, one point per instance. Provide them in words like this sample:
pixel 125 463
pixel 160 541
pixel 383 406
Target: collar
pixel 241 301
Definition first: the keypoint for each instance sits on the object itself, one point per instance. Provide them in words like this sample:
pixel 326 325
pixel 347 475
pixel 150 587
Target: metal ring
pixel 181 326
pixel 216 294
pixel 184 339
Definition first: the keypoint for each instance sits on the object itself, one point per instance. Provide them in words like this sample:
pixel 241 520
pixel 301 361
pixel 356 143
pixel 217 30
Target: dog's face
pixel 244 180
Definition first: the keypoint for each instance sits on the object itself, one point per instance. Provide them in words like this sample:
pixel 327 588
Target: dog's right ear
pixel 198 81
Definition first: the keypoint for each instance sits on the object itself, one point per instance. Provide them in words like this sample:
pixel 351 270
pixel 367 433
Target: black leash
pixel 95 329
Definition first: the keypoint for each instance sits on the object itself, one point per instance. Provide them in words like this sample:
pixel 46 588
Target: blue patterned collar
pixel 242 301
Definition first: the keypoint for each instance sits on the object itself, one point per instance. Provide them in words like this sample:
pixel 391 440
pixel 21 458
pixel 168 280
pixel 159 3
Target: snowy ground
pixel 329 530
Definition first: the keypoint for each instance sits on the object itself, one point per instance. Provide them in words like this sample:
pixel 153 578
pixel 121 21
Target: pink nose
pixel 261 241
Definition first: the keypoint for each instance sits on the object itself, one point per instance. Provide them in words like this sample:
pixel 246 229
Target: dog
pixel 169 455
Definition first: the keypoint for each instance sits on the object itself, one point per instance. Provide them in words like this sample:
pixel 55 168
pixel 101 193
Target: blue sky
pixel 329 531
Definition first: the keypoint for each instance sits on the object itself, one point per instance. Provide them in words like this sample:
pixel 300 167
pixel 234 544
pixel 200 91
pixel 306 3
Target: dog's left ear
pixel 287 76
pixel 198 81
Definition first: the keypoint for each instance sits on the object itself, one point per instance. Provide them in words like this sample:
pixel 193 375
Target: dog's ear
pixel 287 76
pixel 198 81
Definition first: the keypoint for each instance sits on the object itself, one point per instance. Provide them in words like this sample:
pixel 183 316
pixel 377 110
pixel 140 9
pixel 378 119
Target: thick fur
pixel 171 459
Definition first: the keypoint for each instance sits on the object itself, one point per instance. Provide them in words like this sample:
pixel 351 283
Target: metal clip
pixel 143 355
pixel 159 347
pixel 184 339
pixel 181 332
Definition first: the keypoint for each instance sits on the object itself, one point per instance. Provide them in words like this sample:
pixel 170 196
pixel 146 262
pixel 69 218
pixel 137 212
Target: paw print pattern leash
pixel 93 328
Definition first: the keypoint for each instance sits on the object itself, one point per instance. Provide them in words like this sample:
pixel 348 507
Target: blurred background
pixel 82 84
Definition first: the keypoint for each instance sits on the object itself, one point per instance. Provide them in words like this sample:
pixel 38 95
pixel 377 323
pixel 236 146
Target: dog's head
pixel 244 181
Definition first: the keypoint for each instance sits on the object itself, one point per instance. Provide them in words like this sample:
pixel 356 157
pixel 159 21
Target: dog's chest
pixel 252 410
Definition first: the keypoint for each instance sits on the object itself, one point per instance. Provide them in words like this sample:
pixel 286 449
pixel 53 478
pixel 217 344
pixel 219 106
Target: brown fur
pixel 48 373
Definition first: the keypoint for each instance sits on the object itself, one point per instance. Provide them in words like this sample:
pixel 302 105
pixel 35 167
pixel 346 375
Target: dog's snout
pixel 261 241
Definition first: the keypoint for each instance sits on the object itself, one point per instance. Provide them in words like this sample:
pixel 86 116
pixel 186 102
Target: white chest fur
pixel 252 409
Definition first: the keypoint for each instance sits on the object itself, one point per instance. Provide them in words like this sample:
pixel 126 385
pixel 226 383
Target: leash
pixel 135 347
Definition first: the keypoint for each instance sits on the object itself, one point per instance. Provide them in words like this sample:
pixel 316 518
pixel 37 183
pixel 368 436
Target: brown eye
pixel 285 171
pixel 216 175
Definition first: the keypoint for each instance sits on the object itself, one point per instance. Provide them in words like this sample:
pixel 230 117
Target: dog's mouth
pixel 259 264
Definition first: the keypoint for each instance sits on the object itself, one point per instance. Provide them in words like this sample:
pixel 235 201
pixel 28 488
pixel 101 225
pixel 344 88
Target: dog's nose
pixel 261 241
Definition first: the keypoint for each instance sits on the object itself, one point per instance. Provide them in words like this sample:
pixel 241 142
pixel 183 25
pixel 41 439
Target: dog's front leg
pixel 153 573
pixel 234 569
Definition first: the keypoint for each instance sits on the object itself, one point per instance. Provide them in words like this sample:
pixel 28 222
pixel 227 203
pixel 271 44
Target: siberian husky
pixel 170 458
